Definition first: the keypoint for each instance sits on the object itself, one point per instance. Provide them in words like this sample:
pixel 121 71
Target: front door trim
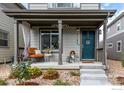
pixel 83 46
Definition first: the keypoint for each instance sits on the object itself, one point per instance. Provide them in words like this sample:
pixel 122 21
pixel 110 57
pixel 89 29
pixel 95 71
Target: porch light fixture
pixel 78 31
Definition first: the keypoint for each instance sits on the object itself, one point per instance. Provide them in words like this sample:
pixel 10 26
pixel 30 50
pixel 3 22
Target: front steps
pixel 93 74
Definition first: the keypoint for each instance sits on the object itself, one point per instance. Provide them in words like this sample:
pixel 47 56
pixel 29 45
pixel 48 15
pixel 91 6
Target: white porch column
pixel 104 43
pixel 97 45
pixel 15 42
pixel 60 41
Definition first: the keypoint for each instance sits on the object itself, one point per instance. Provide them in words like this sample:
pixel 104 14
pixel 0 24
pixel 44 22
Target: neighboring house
pixel 115 38
pixel 7 32
pixel 62 27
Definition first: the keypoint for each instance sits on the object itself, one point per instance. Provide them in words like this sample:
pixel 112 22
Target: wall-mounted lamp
pixel 78 31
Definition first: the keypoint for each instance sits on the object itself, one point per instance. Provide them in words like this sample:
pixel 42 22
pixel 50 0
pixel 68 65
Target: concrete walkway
pixel 93 74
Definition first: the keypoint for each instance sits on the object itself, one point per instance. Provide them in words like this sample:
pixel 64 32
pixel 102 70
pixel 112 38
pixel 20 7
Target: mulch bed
pixel 120 80
pixel 63 75
pixel 115 72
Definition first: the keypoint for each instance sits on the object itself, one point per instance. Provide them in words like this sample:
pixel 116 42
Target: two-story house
pixel 115 38
pixel 7 32
pixel 62 27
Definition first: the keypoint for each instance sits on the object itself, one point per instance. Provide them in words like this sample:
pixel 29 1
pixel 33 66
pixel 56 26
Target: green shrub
pixel 3 82
pixel 20 71
pixel 74 73
pixel 122 61
pixel 51 74
pixel 60 82
pixel 35 72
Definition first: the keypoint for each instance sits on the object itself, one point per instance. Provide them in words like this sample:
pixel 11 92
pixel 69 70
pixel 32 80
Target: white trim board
pixel 117 33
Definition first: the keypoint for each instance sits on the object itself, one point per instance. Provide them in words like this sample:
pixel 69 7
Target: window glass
pixel 110 45
pixel 64 5
pixel 49 39
pixel 118 26
pixel 45 41
pixel 119 46
pixel 76 5
pixel 55 42
pixel 3 39
pixel 5 36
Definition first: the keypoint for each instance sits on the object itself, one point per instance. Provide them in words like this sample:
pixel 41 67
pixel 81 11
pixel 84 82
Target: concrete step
pixel 91 66
pixel 92 71
pixel 93 77
pixel 94 82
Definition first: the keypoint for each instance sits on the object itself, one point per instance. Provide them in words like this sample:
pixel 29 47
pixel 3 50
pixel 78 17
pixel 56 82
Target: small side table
pixel 47 57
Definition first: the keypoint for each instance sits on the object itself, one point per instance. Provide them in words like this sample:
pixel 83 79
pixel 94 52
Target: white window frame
pixel 110 44
pixel 118 25
pixel 120 41
pixel 55 50
pixel 108 30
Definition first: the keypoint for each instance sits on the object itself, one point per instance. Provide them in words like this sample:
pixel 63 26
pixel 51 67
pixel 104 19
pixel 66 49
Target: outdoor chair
pixel 34 53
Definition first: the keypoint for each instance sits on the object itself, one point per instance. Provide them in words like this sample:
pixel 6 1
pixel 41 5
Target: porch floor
pixel 65 65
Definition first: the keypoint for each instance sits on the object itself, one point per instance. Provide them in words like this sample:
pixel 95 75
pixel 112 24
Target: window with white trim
pixel 3 38
pixel 64 5
pixel 119 46
pixel 110 45
pixel 49 40
pixel 108 30
pixel 118 26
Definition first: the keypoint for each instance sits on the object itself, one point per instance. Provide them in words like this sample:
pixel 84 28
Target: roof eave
pixel 20 5
pixel 13 13
pixel 116 19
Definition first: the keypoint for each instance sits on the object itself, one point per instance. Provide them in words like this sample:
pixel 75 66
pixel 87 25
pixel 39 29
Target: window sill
pixel 118 51
pixel 55 51
pixel 4 46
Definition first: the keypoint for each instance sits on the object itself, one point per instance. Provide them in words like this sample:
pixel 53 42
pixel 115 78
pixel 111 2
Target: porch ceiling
pixel 69 23
pixel 85 18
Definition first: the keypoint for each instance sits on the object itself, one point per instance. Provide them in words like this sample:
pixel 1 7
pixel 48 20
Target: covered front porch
pixel 70 25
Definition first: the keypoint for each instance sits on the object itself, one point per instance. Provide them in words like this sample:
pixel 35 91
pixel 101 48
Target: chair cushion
pixel 37 56
pixel 31 50
pixel 37 51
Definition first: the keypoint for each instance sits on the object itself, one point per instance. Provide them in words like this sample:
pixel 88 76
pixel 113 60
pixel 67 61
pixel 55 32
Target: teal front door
pixel 88 47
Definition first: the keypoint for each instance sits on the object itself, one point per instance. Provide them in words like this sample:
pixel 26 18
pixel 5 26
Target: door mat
pixel 87 62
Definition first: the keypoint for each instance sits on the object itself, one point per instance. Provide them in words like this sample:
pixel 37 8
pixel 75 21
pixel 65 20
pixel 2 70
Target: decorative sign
pixel 88 42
